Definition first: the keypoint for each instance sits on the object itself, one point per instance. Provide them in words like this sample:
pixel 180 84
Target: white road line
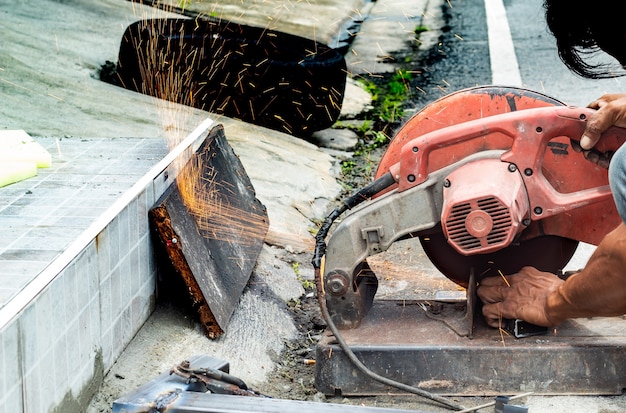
pixel 504 66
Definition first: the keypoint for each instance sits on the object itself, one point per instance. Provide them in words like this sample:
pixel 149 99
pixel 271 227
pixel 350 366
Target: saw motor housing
pixel 485 215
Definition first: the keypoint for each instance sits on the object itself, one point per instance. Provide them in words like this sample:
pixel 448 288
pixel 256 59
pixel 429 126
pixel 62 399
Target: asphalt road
pixel 462 57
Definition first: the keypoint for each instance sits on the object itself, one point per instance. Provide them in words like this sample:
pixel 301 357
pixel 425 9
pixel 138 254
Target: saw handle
pixel 520 127
pixel 530 131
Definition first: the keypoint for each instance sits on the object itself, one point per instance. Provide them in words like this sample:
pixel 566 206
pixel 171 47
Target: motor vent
pixel 479 224
pixel 484 205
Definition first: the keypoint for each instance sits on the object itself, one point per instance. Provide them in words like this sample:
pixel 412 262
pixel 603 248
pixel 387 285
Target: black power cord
pixel 369 191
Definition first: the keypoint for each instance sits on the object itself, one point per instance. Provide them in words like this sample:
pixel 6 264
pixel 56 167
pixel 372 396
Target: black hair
pixel 577 27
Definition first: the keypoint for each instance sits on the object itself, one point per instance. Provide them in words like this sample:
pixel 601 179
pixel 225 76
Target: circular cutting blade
pixel 546 253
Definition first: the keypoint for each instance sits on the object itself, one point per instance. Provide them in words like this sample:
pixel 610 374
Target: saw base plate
pixel 397 340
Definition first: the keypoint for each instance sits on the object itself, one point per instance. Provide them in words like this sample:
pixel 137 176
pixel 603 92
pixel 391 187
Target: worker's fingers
pixel 493 314
pixel 522 295
pixel 605 160
pixel 593 132
pixel 604 99
pixel 599 122
pixel 490 294
pixel 493 322
pixel 611 111
pixel 576 146
pixel 602 159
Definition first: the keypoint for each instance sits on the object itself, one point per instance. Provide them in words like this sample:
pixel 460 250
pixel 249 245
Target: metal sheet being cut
pixel 211 227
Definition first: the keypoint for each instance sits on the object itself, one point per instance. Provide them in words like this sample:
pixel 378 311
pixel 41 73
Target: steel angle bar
pixel 191 402
pixel 166 388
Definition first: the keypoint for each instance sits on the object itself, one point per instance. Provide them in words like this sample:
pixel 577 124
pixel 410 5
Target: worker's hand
pixel 611 111
pixel 520 296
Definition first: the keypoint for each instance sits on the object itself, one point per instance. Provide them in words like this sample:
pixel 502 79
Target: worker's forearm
pixel 599 289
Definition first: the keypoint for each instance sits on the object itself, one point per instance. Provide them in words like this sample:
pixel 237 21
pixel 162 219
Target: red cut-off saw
pixel 488 181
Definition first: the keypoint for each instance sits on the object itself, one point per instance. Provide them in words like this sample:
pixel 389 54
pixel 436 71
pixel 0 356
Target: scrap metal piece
pixel 215 380
pixel 212 227
pixel 174 394
pixel 159 393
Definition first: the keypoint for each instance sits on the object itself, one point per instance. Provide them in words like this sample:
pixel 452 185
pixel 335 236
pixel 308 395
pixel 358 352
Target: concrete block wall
pixel 84 309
